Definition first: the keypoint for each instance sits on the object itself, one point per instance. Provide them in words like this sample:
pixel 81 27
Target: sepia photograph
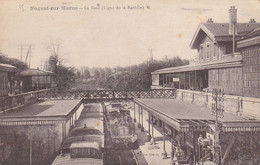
pixel 130 82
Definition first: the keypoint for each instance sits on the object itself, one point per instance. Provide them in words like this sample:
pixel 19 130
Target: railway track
pixel 135 157
pixel 122 157
pixel 127 158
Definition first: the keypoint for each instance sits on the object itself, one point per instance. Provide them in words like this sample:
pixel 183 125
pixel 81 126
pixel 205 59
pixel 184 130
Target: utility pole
pixel 21 57
pixel 28 54
pixel 217 111
pixel 150 59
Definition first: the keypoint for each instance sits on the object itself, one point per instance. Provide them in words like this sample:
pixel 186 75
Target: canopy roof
pixel 250 39
pixel 7 68
pixel 224 63
pixel 182 115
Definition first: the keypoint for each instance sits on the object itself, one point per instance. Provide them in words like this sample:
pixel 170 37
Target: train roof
pixel 92 108
pixel 91 138
pixel 84 144
pixel 66 160
pixel 112 110
pixel 85 131
pixel 95 123
pixel 98 115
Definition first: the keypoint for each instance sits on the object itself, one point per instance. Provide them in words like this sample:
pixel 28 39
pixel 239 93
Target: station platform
pixel 153 154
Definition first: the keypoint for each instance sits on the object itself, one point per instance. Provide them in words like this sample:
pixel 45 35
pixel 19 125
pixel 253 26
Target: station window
pixel 208 50
pixel 201 52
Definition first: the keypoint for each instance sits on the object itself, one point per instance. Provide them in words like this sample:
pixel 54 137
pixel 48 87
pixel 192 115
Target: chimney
pixel 209 20
pixel 252 20
pixel 232 19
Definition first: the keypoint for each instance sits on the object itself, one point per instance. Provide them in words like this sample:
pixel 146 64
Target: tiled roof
pixel 221 29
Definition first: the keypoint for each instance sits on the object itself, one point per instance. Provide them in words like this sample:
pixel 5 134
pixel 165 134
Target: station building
pixel 7 73
pixel 229 59
pixel 219 62
pixel 36 79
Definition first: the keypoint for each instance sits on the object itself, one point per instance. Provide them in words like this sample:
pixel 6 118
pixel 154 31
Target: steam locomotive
pixel 120 126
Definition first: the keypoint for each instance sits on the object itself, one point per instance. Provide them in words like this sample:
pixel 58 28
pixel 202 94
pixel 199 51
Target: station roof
pixel 179 114
pixel 224 63
pixel 46 108
pixel 7 68
pixel 220 31
pixel 250 39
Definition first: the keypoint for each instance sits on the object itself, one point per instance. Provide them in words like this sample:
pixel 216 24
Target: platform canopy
pixel 184 116
pixel 7 68
pixel 224 63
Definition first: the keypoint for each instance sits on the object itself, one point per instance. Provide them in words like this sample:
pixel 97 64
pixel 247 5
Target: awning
pixel 184 117
pixel 225 63
pixel 7 68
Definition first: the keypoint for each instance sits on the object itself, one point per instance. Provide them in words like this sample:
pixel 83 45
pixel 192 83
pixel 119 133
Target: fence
pixel 242 106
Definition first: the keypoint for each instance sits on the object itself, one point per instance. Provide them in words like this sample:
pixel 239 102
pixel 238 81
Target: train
pixel 120 126
pixel 85 141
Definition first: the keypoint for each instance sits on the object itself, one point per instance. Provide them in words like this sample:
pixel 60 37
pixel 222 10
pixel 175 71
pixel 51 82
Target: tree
pixel 65 75
pixel 86 74
pixel 96 74
pixel 139 78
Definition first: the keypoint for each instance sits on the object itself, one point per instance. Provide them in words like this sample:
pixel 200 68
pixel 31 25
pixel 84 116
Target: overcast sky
pixel 111 37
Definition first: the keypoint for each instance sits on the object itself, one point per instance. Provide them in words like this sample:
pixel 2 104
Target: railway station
pixel 203 113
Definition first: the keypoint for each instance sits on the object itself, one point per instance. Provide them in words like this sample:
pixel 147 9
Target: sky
pixel 108 38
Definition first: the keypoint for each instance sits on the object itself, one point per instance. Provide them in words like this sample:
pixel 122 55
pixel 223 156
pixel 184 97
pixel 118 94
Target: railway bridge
pixel 38 121
pixel 182 121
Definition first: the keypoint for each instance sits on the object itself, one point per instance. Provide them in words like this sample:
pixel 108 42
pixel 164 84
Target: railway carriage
pixel 85 142
pixel 81 153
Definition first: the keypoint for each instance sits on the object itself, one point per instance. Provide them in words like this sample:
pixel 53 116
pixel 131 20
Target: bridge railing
pixel 9 102
pixel 106 94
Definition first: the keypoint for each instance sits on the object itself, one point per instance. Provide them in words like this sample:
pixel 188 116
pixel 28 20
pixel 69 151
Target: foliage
pixel 65 76
pixel 13 61
pixel 136 77
pixel 86 74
